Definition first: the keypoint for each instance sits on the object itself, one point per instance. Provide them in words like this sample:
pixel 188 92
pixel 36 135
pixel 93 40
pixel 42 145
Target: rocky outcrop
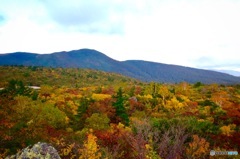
pixel 37 151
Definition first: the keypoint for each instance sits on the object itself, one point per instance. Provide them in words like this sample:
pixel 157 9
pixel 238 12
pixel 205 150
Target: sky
pixel 195 33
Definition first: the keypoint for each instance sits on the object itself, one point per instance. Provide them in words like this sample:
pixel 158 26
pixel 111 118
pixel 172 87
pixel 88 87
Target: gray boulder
pixel 37 151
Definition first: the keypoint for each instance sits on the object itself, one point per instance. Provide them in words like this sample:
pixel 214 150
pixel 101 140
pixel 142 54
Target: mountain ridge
pixel 140 69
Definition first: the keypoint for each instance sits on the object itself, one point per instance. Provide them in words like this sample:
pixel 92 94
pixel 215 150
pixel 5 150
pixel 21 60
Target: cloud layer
pixel 193 33
pixel 85 16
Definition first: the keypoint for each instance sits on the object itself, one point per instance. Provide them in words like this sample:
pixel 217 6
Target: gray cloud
pixel 214 63
pixel 87 16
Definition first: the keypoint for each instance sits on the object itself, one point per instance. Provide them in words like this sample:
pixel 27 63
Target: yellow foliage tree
pixel 174 104
pixel 151 154
pixel 65 149
pixel 205 111
pixel 90 148
pixel 220 97
pixel 145 97
pixel 198 148
pixel 72 106
pixel 228 130
pixel 99 97
pixel 164 93
pixel 45 92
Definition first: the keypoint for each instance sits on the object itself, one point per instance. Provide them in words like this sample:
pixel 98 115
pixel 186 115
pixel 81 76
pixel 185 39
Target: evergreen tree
pixel 14 88
pixel 119 106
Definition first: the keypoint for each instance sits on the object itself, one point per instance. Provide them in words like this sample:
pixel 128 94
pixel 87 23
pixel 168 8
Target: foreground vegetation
pixel 92 114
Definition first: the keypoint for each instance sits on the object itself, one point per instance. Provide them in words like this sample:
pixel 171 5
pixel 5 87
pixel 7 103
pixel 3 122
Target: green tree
pixel 119 106
pixel 98 121
pixel 16 87
pixel 84 104
pixel 79 120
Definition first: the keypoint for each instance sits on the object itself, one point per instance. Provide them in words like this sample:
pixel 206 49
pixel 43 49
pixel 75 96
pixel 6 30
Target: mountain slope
pixel 84 58
pixel 143 70
pixel 174 73
pixel 62 77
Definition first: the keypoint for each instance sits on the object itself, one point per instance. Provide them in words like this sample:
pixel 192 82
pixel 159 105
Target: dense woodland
pixel 90 114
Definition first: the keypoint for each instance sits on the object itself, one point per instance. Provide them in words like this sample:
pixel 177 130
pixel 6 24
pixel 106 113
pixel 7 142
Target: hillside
pixel 175 74
pixel 62 77
pixel 143 70
pixel 81 113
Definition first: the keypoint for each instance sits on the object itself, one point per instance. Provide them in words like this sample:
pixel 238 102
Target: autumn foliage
pixel 89 114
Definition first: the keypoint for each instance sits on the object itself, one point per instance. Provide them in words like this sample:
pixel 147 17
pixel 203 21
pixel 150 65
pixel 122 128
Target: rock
pixel 37 151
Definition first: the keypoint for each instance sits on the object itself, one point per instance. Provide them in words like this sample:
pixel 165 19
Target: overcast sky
pixel 195 33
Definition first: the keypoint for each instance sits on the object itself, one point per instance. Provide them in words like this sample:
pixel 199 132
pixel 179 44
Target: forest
pixel 90 114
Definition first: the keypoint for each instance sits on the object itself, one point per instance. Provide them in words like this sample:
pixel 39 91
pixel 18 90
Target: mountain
pixel 143 70
pixel 84 58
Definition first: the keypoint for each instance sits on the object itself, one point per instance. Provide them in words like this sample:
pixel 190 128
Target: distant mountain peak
pixel 143 70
